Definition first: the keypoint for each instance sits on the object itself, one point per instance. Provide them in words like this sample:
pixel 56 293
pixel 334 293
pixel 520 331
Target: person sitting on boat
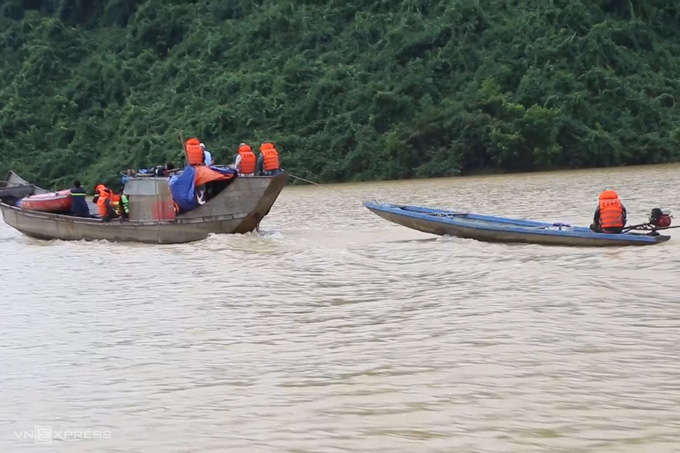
pixel 121 204
pixel 610 215
pixel 268 161
pixel 105 206
pixel 194 152
pixel 207 159
pixel 164 170
pixel 79 207
pixel 246 161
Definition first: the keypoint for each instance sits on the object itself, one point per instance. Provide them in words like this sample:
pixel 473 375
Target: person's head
pixel 169 166
pixel 76 183
pixel 202 146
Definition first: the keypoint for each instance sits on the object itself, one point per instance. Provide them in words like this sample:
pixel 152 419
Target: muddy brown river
pixel 334 330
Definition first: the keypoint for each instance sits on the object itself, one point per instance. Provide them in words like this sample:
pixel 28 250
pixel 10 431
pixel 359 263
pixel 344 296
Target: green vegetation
pixel 347 90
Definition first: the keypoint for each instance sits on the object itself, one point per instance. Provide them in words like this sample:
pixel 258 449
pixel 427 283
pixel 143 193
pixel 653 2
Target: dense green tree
pixel 348 90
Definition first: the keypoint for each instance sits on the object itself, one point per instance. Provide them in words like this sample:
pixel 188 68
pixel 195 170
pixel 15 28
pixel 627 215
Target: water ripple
pixel 334 330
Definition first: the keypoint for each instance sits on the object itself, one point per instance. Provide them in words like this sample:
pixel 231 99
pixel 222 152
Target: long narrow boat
pixel 501 229
pixel 235 206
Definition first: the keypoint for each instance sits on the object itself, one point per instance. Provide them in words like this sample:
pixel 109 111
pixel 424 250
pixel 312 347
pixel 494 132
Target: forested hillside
pixel 347 90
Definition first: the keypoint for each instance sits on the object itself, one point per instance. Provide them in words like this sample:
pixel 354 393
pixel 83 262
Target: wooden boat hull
pixel 500 229
pixel 237 209
pixel 48 202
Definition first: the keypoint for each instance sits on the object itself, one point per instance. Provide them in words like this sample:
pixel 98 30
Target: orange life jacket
pixel 248 159
pixel 115 202
pixel 100 190
pixel 101 203
pixel 270 158
pixel 611 210
pixel 195 154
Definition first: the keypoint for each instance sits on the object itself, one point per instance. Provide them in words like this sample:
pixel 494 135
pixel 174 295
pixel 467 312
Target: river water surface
pixel 334 330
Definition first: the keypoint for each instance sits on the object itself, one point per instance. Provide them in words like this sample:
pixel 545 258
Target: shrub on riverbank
pixel 351 90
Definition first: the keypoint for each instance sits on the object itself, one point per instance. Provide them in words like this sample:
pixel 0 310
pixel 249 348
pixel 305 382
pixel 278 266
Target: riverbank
pixel 493 174
pixel 379 92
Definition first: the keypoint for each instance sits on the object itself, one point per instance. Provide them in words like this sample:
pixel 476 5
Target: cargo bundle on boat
pixel 185 207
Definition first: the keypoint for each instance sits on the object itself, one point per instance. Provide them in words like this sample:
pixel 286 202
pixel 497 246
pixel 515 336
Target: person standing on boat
pixel 79 207
pixel 207 159
pixel 194 152
pixel 268 161
pixel 246 161
pixel 99 189
pixel 610 215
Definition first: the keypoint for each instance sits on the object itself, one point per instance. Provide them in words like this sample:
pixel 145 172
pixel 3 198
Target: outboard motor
pixel 660 218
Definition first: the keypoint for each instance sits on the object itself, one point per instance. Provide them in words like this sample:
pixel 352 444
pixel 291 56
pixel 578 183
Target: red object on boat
pixel 48 202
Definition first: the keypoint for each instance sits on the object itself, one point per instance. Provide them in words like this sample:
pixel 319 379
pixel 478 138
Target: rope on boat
pixel 305 180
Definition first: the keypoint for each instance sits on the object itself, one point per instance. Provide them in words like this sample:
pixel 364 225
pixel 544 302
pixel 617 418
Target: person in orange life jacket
pixel 105 206
pixel 245 162
pixel 194 152
pixel 610 215
pixel 268 161
pixel 99 190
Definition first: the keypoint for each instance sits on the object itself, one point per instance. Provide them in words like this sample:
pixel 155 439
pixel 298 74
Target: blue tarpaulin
pixel 182 189
pixel 183 186
pixel 223 170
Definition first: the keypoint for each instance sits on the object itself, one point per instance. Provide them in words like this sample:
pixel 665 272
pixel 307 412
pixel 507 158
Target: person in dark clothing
pixel 79 205
pixel 164 170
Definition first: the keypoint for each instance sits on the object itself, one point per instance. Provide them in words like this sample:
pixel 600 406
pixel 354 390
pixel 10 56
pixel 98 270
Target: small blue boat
pixel 501 229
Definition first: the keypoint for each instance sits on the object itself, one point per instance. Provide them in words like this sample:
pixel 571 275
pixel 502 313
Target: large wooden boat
pixel 234 206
